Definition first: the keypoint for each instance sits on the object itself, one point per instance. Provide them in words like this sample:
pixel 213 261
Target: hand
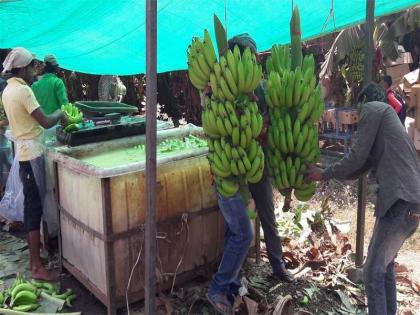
pixel 252 97
pixel 314 174
pixel 64 119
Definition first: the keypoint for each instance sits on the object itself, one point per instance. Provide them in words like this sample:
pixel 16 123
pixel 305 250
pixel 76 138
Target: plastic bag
pixel 11 206
pixel 5 158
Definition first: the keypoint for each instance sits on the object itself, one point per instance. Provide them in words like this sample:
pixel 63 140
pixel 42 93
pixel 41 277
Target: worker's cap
pixel 51 60
pixel 18 57
pixel 372 92
pixel 243 40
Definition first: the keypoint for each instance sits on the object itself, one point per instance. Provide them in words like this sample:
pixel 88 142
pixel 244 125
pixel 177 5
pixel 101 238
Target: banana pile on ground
pixel 295 105
pixel 230 120
pixel 23 296
pixel 74 117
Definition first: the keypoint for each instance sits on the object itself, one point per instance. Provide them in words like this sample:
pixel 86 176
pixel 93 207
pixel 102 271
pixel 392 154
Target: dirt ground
pixel 337 198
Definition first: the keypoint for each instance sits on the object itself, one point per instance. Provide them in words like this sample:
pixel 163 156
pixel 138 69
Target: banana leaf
pixel 384 38
pixel 221 37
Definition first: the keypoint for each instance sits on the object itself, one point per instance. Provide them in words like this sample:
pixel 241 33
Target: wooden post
pixel 151 108
pixel 361 195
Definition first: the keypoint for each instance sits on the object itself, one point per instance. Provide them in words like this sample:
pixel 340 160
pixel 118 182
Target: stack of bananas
pixel 356 67
pixel 234 154
pixel 230 120
pixel 74 117
pixel 201 60
pixel 295 105
pixel 23 295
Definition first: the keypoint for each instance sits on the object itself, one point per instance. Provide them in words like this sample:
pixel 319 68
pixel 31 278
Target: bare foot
pixel 40 273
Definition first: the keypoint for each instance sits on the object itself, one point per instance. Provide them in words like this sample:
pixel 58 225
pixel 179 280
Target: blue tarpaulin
pixel 108 36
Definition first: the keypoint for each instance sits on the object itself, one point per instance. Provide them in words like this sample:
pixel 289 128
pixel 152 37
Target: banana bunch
pixel 201 60
pixel 230 120
pixel 295 105
pixel 235 75
pixel 287 89
pixel 356 67
pixel 74 116
pixel 234 155
pixel 23 295
pixel 48 289
pixel 279 60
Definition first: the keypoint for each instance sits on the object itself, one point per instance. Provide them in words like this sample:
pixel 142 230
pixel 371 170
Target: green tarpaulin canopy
pixel 108 36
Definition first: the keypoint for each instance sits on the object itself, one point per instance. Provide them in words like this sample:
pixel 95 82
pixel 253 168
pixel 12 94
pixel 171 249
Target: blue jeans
pixel 262 193
pixel 388 236
pixel 238 238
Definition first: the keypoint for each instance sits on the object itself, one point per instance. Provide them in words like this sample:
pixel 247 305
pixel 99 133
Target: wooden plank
pixel 122 265
pixel 208 193
pixel 161 197
pixel 135 186
pixel 176 202
pixel 92 265
pixel 81 196
pixel 177 241
pixel 119 211
pixel 163 246
pixel 210 236
pixel 195 235
pixel 192 186
pixel 137 245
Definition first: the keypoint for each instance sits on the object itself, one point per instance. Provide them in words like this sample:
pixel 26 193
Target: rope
pixel 162 236
pixel 330 15
pixel 226 28
pixel 132 271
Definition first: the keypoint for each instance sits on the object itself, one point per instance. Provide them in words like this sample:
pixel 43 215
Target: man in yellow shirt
pixel 26 122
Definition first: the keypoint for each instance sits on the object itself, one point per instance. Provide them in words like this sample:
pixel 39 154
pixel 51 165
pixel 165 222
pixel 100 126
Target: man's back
pixel 50 93
pixel 393 156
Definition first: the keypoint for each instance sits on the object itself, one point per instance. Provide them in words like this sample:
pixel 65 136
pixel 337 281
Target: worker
pixel 50 90
pixel 262 192
pixel 382 144
pixel 26 122
pixel 396 101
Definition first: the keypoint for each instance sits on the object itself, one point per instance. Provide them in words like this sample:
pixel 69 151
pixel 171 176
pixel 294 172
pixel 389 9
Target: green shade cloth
pixel 50 93
pixel 108 36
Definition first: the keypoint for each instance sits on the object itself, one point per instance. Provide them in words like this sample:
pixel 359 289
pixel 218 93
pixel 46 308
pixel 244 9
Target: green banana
pixel 231 62
pixel 26 307
pixel 234 168
pixel 209 53
pixel 23 287
pixel 24 297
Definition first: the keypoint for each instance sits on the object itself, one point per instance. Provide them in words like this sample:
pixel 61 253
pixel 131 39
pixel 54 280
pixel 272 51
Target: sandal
pixel 221 304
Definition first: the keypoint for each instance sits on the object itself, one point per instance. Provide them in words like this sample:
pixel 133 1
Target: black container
pixel 102 133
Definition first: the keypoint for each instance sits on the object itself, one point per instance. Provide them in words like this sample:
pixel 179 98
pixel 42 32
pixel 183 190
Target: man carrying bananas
pixel 262 192
pixel 382 145
pixel 26 121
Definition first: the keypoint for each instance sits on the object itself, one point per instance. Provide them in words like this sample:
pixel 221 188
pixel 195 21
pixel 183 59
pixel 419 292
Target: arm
pixel 34 109
pixel 359 153
pixel 393 101
pixel 47 121
pixel 61 93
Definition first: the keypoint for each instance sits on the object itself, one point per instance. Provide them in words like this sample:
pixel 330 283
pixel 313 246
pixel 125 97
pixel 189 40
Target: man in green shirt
pixel 50 91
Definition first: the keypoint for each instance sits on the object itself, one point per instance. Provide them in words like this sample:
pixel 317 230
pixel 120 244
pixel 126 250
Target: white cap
pixel 19 57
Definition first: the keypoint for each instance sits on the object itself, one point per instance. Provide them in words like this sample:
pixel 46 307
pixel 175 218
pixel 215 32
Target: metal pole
pixel 151 107
pixel 361 195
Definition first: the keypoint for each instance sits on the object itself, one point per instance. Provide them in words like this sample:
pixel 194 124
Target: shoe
pixel 221 304
pixel 284 275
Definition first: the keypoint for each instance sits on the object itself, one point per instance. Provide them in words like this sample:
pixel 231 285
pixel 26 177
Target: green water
pixel 136 154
